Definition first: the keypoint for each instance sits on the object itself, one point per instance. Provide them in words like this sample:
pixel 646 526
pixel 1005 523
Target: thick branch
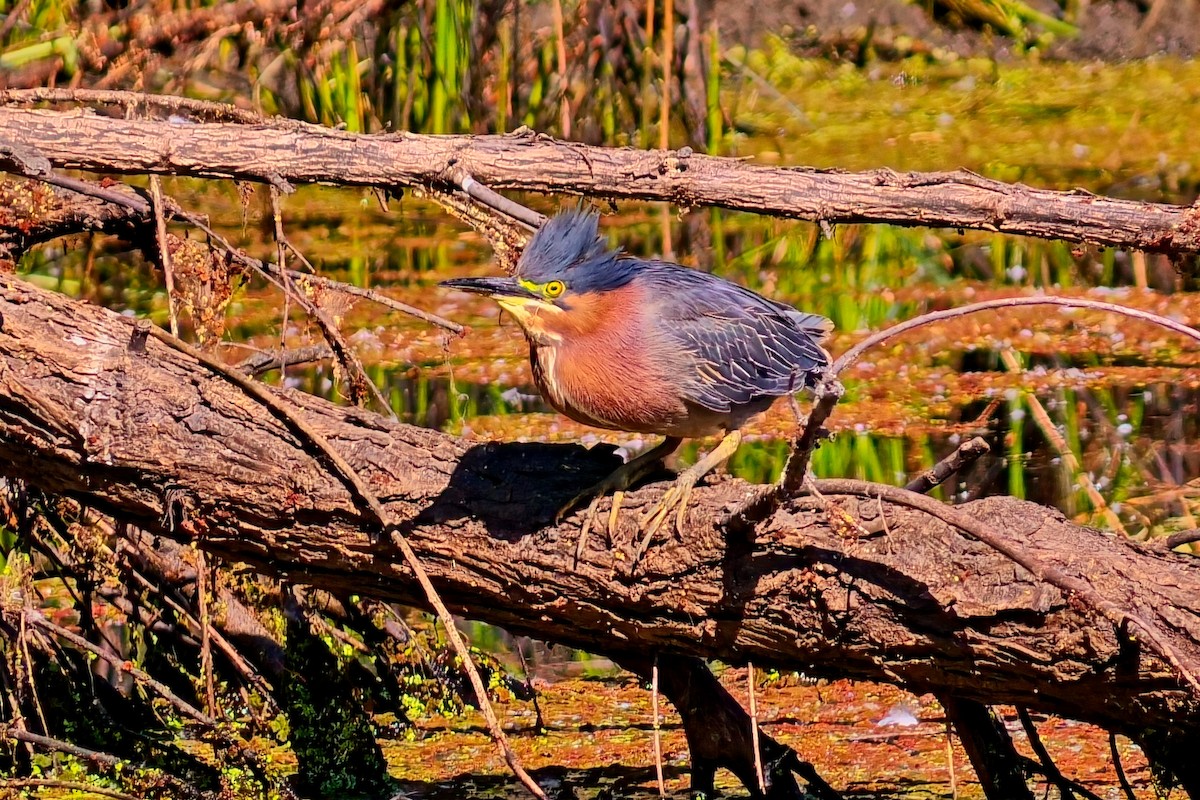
pixel 300 153
pixel 136 428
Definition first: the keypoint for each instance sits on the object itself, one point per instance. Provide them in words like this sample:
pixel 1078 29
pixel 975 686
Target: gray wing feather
pixel 746 347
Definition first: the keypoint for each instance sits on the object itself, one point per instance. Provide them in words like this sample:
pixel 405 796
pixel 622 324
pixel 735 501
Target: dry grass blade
pixel 1052 434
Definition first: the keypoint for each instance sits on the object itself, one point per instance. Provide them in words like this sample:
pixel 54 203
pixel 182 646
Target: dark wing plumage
pixel 746 347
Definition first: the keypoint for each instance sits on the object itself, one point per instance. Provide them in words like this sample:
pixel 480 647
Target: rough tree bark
pixel 281 152
pixel 92 408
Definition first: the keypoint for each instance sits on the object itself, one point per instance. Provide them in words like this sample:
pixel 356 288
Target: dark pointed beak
pixel 493 287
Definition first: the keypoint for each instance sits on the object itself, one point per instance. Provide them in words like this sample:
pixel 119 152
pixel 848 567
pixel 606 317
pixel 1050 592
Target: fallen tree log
pixel 92 408
pixel 281 152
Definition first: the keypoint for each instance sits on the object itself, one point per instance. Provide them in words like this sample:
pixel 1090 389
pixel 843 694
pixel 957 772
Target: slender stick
pixel 854 353
pixel 138 204
pixel 664 123
pixel 498 202
pixel 460 647
pixel 94 756
pixel 533 692
pixel 264 361
pixel 658 761
pixel 122 665
pixel 950 759
pixel 164 252
pixel 1179 538
pixel 70 786
pixel 1066 787
pixel 50 743
pixel 1116 760
pixel 561 47
pixel 758 767
pixel 668 64
pixel 206 665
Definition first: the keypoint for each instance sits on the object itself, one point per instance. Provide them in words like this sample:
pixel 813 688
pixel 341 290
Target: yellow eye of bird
pixel 554 288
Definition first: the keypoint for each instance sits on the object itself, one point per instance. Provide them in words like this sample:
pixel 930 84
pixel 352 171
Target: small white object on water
pixel 900 715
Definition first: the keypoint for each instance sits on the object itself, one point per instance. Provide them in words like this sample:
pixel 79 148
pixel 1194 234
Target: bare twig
pixel 359 384
pixel 758 767
pixel 164 252
pixel 1116 760
pixel 206 665
pixel 239 662
pixel 854 353
pixel 375 297
pixel 281 249
pixel 1070 586
pixel 27 662
pixel 498 202
pixel 1179 539
pixel 539 721
pixel 560 40
pixel 664 108
pixel 94 756
pixel 658 755
pixel 967 453
pixel 8 690
pixel 266 361
pixel 350 477
pixel 829 390
pixel 50 743
pixel 950 759
pixel 142 206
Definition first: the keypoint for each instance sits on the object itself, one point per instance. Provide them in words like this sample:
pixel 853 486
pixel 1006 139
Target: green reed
pixel 714 116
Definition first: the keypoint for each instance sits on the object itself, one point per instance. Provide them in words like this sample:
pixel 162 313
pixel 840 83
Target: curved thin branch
pixel 829 390
pixel 854 353
pixel 1070 586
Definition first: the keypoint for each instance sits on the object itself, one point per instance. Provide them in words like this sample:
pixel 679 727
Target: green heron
pixel 650 347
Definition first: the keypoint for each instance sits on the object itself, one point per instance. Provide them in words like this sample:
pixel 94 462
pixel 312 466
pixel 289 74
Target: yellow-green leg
pixel 621 479
pixel 676 498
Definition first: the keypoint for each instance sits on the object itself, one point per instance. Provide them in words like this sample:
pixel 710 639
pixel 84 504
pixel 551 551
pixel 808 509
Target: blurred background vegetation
pixel 1095 416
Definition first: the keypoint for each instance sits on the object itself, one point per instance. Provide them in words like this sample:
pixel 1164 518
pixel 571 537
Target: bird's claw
pixel 590 520
pixel 674 499
pixel 615 483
